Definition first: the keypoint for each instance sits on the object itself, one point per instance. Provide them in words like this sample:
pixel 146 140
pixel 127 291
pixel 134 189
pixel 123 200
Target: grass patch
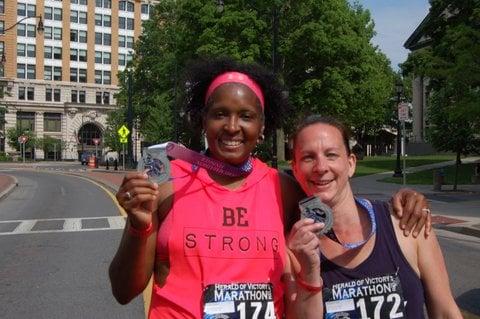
pixel 465 173
pixel 379 164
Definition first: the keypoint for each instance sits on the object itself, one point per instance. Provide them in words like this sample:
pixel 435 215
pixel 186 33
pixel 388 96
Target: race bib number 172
pixel 371 297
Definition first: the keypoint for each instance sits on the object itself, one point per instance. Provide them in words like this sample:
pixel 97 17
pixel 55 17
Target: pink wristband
pixel 307 287
pixel 140 233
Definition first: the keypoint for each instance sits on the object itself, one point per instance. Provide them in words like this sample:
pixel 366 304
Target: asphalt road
pixel 58 234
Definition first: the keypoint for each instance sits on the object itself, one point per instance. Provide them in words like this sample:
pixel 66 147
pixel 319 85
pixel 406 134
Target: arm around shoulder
pixel 433 273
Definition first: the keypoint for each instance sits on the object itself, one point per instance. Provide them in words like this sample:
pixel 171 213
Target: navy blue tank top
pixel 382 286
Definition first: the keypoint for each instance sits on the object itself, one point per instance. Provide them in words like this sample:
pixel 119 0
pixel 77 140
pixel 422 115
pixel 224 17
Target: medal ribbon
pixel 176 151
pixel 368 206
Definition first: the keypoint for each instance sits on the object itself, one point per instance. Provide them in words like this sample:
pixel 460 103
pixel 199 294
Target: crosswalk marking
pixel 69 225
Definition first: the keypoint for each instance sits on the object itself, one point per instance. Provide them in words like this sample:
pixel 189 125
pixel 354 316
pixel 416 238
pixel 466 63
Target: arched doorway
pixel 86 135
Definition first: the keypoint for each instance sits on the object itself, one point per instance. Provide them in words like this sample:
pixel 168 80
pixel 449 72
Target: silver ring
pixel 427 210
pixel 128 195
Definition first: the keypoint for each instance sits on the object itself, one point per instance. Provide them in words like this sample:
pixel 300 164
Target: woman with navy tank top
pixel 363 267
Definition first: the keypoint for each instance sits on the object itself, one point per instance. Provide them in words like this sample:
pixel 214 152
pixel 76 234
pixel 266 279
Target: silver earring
pixel 261 138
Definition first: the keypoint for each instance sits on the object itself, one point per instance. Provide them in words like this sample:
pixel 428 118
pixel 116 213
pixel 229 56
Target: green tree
pixel 452 65
pixel 14 133
pixel 327 60
pixel 51 144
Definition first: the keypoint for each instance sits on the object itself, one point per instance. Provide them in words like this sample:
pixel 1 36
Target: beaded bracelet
pixel 140 233
pixel 308 287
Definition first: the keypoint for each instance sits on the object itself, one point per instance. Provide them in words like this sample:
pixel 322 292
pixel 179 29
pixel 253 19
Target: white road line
pixel 69 225
pixel 116 222
pixel 73 224
pixel 25 226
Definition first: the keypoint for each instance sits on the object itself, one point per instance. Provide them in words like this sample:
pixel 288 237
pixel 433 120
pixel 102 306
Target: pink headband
pixel 236 77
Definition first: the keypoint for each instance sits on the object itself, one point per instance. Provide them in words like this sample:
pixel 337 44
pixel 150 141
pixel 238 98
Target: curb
pixel 9 188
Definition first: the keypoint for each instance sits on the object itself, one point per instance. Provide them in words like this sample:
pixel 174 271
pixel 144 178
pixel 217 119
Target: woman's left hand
pixel 413 210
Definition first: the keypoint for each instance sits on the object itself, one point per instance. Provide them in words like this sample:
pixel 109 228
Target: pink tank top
pixel 226 248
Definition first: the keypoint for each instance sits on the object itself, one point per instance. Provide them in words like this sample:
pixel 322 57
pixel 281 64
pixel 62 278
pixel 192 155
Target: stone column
pixel 418 109
pixel 39 154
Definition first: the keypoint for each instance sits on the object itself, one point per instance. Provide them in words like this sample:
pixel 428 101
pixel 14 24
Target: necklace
pixel 369 208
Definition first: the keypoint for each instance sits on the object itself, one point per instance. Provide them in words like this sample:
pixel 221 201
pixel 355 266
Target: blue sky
pixel 395 20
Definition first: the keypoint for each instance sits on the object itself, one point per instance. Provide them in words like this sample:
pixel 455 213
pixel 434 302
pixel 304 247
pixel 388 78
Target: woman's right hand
pixel 137 195
pixel 305 245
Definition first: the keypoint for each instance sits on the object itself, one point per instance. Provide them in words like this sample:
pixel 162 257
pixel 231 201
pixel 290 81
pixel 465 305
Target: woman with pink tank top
pixel 213 239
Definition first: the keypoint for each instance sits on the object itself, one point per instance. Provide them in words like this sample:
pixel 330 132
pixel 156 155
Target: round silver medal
pixel 312 207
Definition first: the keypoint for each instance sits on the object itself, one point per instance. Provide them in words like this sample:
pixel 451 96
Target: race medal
pixel 312 207
pixel 370 297
pixel 155 164
pixel 238 301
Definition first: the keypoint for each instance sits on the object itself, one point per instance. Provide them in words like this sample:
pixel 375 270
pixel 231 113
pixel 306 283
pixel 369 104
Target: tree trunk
pixel 457 167
pixel 280 145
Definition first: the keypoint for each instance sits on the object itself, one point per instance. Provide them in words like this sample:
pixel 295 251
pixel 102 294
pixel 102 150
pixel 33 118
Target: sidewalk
pixel 457 211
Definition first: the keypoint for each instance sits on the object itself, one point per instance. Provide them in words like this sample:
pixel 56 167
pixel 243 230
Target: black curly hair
pixel 200 73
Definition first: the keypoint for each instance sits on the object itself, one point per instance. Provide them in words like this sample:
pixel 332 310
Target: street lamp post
pixel 40 30
pixel 398 169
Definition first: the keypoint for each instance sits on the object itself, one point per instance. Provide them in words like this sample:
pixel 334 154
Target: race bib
pixel 371 297
pixel 239 301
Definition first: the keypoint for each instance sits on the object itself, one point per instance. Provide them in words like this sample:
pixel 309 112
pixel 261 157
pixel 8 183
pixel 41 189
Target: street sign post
pixel 22 140
pixel 123 132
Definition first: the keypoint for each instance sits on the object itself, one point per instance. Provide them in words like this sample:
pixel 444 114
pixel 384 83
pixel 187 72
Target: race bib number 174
pixel 370 297
pixel 238 301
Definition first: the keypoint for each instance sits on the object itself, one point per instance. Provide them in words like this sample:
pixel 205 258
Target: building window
pixel 82 75
pixel 21 9
pixel 74 96
pixel 2 26
pixel 21 49
pixel 98 38
pixel 126 6
pixel 31 71
pixel 48 52
pixel 26 121
pixel 130 42
pixel 121 22
pixel 47 32
pixel 73 55
pixel 82 36
pixel 130 24
pixel 21 93
pixel 98 97
pixel 31 10
pixel 107 58
pixel 57 73
pixel 31 30
pixel 107 77
pixel 121 41
pixel 31 50
pixel 82 17
pixel 106 98
pixel 121 59
pixel 82 96
pixel 57 33
pixel 21 30
pixel 47 73
pixel 30 93
pixel 2 6
pixel 21 71
pixel 52 122
pixel 48 13
pixel 107 39
pixel 98 57
pixel 57 14
pixel 57 53
pixel 74 35
pixel 73 75
pixel 103 4
pixel 98 76
pixel 48 94
pixel 98 19
pixel 145 8
pixel 107 21
pixel 56 95
pixel 82 55
pixel 74 16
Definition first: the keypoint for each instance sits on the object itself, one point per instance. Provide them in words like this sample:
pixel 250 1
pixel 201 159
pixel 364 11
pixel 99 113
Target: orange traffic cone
pixel 91 161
